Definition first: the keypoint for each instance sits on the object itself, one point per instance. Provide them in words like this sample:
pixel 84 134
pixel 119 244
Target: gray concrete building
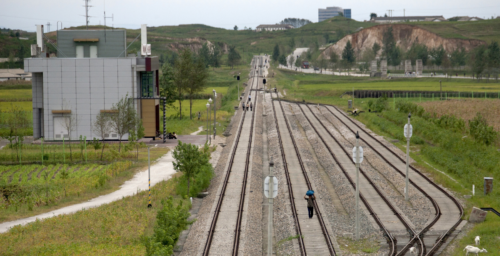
pixel 88 76
pixel 329 12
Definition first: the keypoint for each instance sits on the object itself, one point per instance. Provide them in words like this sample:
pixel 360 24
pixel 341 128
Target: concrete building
pixel 329 12
pixel 407 19
pixel 273 27
pixel 90 73
pixel 347 13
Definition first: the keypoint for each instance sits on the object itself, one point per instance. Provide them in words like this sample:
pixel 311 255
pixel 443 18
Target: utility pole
pixel 48 27
pixel 408 130
pixel 87 6
pixel 404 13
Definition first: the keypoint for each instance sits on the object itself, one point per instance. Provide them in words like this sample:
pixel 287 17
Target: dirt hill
pixel 405 36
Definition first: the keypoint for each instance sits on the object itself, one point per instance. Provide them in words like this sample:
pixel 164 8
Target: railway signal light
pixel 357 156
pixel 264 81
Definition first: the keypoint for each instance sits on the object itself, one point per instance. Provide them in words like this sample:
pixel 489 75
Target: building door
pixel 79 51
pixel 93 51
pixel 60 127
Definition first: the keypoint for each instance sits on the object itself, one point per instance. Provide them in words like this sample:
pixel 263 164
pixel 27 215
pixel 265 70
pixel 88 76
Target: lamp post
pixel 215 113
pixel 208 107
pixel 357 157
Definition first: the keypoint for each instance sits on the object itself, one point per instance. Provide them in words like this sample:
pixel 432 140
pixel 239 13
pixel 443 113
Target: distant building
pixel 347 13
pixel 407 19
pixel 273 27
pixel 467 18
pixel 330 12
pixel 14 74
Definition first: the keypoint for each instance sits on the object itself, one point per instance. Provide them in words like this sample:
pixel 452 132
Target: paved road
pixel 161 170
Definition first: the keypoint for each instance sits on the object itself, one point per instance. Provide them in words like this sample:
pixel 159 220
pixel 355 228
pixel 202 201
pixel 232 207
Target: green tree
pixel 390 50
pixel 334 58
pixel 198 82
pixel 438 55
pixel 375 48
pixel 282 60
pixel 417 51
pixel 373 15
pixel 235 27
pixel 204 54
pixel 167 84
pixel 348 55
pixel 493 54
pixel 233 58
pixel 182 75
pixel 124 118
pixel 101 127
pixel 190 160
pixel 215 57
pixel 481 131
pixel 291 43
pixel 458 57
pixel 327 38
pixel 478 60
pixel 276 52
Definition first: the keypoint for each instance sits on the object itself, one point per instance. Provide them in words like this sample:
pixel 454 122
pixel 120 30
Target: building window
pixel 147 84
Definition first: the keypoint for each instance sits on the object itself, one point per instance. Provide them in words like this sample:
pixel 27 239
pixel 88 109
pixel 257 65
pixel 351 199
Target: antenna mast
pixel 87 6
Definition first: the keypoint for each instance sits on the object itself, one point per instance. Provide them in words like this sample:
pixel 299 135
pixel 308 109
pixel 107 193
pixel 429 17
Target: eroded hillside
pixel 404 35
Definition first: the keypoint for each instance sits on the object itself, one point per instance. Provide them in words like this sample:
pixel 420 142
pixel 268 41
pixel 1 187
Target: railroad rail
pixel 441 239
pixel 290 188
pixel 213 224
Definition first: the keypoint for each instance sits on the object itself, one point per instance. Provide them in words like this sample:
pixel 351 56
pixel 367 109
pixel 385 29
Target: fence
pixel 425 94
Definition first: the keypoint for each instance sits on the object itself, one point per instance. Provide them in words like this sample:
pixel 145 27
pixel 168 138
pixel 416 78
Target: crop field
pixel 15 94
pixel 466 109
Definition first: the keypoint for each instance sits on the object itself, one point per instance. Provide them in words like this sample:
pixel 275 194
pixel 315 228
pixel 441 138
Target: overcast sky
pixel 24 14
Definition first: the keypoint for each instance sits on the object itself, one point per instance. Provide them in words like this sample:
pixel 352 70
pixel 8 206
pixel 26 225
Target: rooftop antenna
pixel 112 19
pixel 87 6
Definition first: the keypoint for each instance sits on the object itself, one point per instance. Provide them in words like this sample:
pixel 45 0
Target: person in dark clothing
pixel 199 115
pixel 243 105
pixel 247 106
pixel 250 106
pixel 174 135
pixel 310 204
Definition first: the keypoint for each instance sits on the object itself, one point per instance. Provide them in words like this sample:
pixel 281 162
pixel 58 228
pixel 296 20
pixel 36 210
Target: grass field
pixel 118 228
pixel 24 105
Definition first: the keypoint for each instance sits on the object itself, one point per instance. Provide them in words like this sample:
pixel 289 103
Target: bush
pixel 170 221
pixel 479 130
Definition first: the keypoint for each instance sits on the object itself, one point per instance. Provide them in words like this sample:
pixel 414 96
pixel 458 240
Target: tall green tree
pixel 438 55
pixel 478 60
pixel 348 55
pixel 417 51
pixel 167 84
pixel 375 48
pixel 204 54
pixel 276 52
pixel 215 57
pixel 493 59
pixel 198 82
pixel 235 27
pixel 334 58
pixel 282 60
pixel 458 57
pixel 390 50
pixel 189 160
pixel 182 75
pixel 291 43
pixel 373 15
pixel 233 58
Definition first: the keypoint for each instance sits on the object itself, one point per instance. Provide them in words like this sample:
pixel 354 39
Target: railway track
pixel 308 244
pixel 441 200
pixel 231 184
pixel 378 210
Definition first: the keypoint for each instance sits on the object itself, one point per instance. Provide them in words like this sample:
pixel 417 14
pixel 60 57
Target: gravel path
pixel 418 209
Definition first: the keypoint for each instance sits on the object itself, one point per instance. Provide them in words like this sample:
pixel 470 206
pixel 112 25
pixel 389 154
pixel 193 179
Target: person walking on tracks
pixel 250 106
pixel 310 204
pixel 199 115
pixel 247 106
pixel 249 97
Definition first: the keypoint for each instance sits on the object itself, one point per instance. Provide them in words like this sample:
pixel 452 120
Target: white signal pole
pixel 357 185
pixel 408 136
pixel 270 220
